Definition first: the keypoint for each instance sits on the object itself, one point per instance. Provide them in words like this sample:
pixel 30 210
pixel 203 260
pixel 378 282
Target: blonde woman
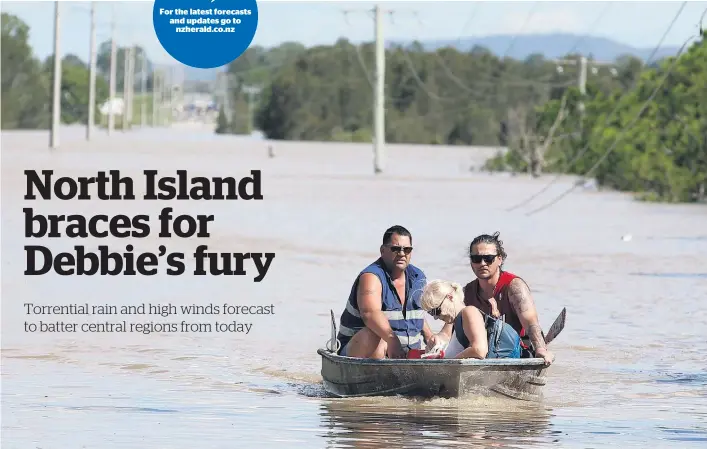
pixel 474 333
pixel 444 300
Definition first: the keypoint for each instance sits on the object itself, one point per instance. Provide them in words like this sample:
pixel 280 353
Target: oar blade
pixel 556 327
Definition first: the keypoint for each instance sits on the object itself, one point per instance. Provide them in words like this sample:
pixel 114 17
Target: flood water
pixel 630 365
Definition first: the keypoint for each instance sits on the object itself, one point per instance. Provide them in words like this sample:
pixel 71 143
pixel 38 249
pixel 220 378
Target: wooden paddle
pixel 556 327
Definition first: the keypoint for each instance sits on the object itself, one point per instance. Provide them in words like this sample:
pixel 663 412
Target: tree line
pixel 443 97
pixel 529 107
pixel 639 128
pixel 27 81
pixel 650 139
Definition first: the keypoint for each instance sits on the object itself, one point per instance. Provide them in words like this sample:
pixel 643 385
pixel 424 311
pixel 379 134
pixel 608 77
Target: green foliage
pixel 26 83
pixel 103 65
pixel 661 156
pixel 222 125
pixel 74 89
pixel 447 96
pixel 25 88
pixel 443 97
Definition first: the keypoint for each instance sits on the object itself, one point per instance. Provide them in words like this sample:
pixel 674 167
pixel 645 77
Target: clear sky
pixel 637 23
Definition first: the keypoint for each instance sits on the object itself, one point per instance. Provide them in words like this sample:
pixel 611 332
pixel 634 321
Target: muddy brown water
pixel 630 368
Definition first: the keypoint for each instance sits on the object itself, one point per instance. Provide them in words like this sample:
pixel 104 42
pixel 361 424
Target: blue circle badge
pixel 205 33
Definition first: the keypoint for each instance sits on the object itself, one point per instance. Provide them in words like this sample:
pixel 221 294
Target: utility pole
pixel 250 91
pixel 131 84
pixel 379 102
pixel 378 91
pixel 226 96
pixel 113 70
pixel 92 76
pixel 582 84
pixel 143 89
pixel 155 93
pixel 165 96
pixel 56 89
pixel 179 106
pixel 583 65
pixel 126 83
pixel 170 114
pixel 581 61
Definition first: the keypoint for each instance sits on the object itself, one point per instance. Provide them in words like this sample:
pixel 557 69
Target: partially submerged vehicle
pixel 354 377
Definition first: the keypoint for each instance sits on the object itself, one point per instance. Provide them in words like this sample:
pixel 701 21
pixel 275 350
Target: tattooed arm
pixel 369 297
pixel 524 306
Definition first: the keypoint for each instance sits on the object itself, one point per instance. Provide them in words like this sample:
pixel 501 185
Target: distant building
pixel 116 105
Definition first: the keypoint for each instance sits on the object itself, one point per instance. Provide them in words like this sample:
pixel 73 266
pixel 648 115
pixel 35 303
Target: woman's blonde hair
pixel 434 293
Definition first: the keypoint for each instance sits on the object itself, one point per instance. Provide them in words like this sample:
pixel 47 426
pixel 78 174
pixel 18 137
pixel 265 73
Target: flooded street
pixel 630 365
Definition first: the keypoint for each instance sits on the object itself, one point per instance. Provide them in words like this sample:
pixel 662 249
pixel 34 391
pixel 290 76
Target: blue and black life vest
pixel 406 323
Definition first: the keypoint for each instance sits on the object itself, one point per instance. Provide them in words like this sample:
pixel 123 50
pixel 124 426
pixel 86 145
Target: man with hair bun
pixel 499 293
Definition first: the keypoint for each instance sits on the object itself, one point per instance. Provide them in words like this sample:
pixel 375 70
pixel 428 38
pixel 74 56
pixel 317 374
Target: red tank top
pixel 471 298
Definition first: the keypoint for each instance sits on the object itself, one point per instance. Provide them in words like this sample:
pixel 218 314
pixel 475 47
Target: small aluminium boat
pixel 354 377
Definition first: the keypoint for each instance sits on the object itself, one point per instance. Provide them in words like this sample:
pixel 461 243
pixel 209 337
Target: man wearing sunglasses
pixel 383 315
pixel 500 293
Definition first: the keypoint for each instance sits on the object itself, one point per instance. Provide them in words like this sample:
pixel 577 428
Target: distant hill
pixel 551 46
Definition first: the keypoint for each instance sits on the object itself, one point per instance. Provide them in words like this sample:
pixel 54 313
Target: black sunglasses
pixel 488 258
pixel 397 249
pixel 437 311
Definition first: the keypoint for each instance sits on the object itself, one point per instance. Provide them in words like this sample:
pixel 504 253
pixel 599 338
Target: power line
pixel 359 56
pixel 544 83
pixel 591 27
pixel 606 120
pixel 379 91
pixel 623 132
pixel 421 83
pixel 525 24
pixel 496 80
pixel 458 82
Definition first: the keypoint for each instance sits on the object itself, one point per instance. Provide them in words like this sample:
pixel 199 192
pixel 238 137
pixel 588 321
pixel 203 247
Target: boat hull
pixel 353 377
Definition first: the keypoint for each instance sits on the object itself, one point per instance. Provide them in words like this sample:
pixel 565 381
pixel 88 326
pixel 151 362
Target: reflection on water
pixel 630 367
pixel 672 275
pixel 698 379
pixel 486 422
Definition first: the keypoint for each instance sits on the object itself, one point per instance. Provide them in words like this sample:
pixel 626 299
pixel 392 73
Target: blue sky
pixel 635 23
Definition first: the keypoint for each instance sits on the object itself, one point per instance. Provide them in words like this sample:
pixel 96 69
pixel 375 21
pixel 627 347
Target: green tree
pixel 25 91
pixel 103 65
pixel 635 141
pixel 446 96
pixel 222 125
pixel 74 89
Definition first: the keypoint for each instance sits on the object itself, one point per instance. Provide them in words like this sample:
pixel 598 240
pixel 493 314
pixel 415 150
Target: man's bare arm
pixel 368 296
pixel 522 301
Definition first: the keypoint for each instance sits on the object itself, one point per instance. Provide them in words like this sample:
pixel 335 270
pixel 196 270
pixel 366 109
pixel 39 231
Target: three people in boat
pixel 383 316
pixel 493 316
